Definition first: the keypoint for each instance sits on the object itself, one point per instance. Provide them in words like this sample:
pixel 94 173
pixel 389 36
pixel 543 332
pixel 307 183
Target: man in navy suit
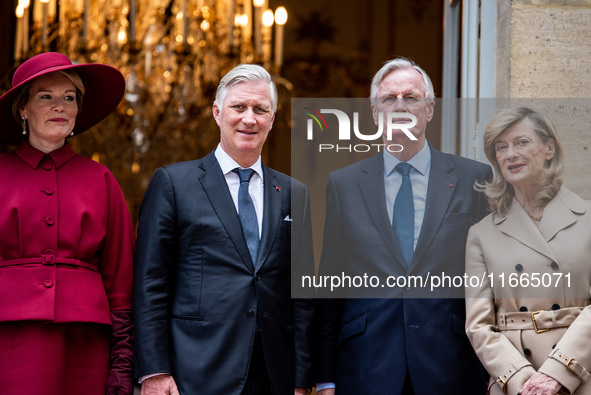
pixel 216 241
pixel 414 342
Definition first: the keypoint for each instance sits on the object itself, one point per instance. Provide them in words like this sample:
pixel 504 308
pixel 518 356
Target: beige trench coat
pixel 521 270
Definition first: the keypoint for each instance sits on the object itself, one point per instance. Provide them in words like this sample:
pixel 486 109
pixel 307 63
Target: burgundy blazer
pixel 58 208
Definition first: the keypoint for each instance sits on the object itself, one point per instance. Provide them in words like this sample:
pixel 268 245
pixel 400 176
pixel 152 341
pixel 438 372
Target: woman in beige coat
pixel 529 318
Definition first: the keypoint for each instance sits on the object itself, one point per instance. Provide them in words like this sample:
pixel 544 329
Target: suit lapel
pixel 214 184
pixel 439 193
pixel 371 186
pixel 271 213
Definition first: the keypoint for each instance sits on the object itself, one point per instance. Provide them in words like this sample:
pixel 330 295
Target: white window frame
pixel 478 74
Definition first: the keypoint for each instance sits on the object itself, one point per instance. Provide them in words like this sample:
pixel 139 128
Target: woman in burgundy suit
pixel 66 237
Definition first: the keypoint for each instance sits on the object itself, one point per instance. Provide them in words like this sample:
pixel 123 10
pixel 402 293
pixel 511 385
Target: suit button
pixel 555 306
pixel 523 308
pixel 527 352
pixel 250 314
pixel 519 267
pixel 258 278
pixel 554 266
pixel 48 191
pixel 48 283
pixel 49 221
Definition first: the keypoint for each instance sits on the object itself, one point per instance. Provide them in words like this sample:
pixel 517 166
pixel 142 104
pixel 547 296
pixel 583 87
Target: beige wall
pixel 549 56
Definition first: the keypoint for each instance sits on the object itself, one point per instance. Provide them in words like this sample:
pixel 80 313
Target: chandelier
pixel 172 54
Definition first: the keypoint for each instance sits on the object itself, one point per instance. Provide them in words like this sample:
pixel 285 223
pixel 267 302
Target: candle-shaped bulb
pixel 258 3
pixel 280 15
pixel 268 18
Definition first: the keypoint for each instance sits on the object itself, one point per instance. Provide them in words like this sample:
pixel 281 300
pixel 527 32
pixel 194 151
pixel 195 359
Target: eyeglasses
pixel 502 148
pixel 407 100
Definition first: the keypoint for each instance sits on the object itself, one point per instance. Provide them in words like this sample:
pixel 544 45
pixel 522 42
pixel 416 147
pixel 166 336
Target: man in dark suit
pixel 404 220
pixel 213 310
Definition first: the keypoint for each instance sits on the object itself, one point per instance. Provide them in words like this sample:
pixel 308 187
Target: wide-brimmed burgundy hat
pixel 104 86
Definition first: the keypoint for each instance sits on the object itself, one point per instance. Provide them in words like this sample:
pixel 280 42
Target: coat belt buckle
pixel 533 318
pixel 570 362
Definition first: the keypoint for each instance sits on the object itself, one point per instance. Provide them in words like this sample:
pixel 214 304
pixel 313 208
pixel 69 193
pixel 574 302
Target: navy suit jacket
pixel 197 293
pixel 366 345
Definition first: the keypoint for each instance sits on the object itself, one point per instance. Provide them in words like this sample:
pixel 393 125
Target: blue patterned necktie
pixel 403 219
pixel 247 213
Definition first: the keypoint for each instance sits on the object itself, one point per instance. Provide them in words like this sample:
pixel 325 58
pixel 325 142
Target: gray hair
pixel 400 64
pixel 245 73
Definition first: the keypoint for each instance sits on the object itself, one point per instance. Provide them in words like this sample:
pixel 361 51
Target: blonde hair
pixel 499 192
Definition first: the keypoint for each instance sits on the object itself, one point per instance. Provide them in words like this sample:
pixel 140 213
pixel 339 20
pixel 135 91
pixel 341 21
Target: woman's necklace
pixel 533 207
pixel 537 219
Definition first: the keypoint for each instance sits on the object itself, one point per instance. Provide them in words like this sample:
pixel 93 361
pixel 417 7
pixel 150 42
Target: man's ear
pixel 430 110
pixel 374 113
pixel 216 113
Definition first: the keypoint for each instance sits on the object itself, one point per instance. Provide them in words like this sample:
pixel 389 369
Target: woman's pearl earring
pixel 24 126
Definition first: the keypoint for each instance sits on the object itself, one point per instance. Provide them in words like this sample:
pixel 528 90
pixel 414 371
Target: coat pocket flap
pixel 354 327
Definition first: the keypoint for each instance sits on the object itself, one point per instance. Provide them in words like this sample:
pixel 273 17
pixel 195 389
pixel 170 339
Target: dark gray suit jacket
pixel 197 293
pixel 367 345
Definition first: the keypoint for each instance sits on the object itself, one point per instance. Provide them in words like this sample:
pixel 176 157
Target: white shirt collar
pixel 228 164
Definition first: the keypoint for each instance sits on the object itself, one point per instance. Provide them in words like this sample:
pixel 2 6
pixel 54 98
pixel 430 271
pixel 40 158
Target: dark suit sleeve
pixel 328 311
pixel 155 258
pixel 303 301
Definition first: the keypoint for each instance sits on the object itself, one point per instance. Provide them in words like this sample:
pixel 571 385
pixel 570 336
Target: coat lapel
pixel 371 186
pixel 215 186
pixel 559 214
pixel 518 225
pixel 439 192
pixel 273 193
